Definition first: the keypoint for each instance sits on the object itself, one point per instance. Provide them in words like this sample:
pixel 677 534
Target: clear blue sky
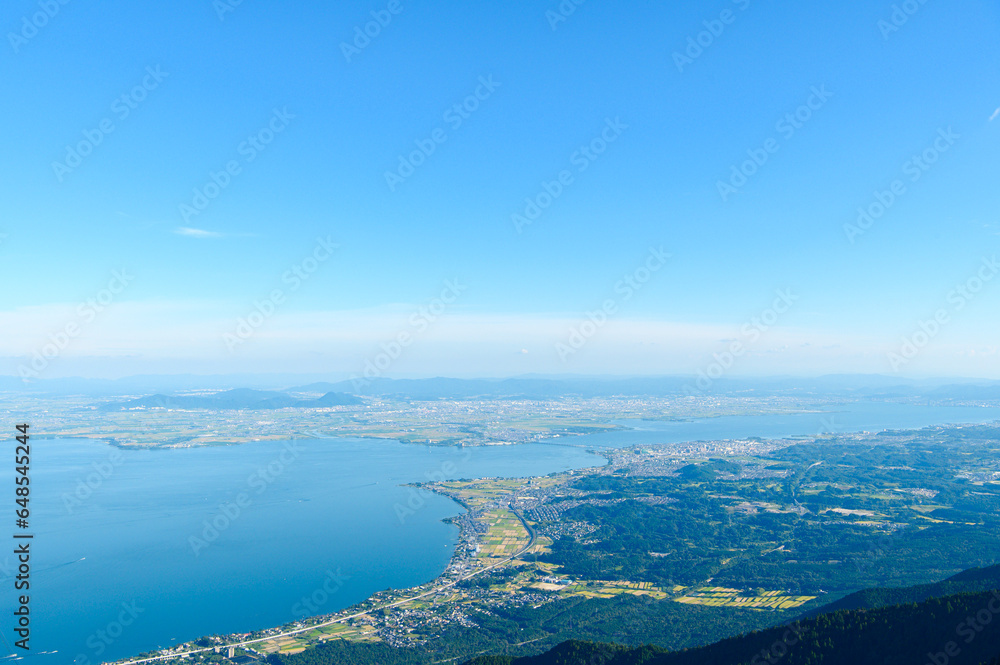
pixel 656 184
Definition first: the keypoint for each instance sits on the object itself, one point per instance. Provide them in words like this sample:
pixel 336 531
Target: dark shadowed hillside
pixel 955 630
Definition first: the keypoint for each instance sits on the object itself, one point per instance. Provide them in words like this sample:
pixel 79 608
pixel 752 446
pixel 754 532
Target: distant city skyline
pixel 731 188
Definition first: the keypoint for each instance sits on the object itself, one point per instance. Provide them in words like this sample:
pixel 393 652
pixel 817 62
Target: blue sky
pixel 554 90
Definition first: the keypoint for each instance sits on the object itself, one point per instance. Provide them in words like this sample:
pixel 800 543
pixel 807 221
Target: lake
pixel 133 567
pixel 850 417
pixel 165 546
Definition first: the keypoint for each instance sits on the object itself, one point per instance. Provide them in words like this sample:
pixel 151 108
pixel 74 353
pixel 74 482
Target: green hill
pixel 962 629
pixel 968 581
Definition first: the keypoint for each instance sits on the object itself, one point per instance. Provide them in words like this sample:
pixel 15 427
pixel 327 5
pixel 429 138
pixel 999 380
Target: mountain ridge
pixel 960 628
pixel 236 399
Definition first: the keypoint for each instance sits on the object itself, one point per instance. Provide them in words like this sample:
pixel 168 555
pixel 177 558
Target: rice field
pixel 725 597
pixel 505 537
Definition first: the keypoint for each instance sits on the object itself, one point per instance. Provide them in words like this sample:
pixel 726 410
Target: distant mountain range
pixel 848 386
pixel 912 626
pixel 241 398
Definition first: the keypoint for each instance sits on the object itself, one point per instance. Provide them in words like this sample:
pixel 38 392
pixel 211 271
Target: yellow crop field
pixel 506 535
pixel 725 597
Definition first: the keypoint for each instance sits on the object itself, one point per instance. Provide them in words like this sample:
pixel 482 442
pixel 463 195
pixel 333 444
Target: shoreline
pixel 440 583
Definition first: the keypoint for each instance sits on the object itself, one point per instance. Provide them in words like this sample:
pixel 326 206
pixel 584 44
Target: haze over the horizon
pixel 239 184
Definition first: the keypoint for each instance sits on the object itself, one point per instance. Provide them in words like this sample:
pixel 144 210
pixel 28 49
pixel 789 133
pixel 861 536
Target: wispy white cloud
pixel 133 337
pixel 995 114
pixel 157 336
pixel 196 233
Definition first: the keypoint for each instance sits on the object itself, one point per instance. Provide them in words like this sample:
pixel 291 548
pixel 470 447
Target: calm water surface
pixel 854 417
pixel 125 555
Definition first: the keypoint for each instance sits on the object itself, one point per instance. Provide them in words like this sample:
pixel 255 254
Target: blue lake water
pixel 122 553
pixel 851 417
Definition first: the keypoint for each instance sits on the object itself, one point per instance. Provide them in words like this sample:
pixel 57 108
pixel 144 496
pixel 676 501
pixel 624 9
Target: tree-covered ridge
pixel 968 581
pixel 955 630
